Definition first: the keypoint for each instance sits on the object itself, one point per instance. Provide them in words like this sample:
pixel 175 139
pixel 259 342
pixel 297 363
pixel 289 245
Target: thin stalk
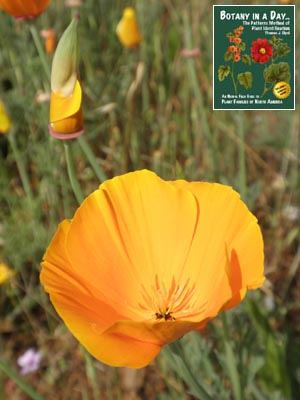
pixel 193 77
pixel 91 373
pixel 232 77
pixel 241 155
pixel 21 167
pixel 92 159
pixel 230 361
pixel 193 383
pixel 41 52
pixel 4 367
pixel 72 173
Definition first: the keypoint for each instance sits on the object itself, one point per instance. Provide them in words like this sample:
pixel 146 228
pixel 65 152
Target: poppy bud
pixel 128 30
pixel 5 122
pixel 66 120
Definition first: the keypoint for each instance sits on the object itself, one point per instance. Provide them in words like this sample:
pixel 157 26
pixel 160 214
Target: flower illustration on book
pixel 276 75
pixel 233 55
pixel 261 51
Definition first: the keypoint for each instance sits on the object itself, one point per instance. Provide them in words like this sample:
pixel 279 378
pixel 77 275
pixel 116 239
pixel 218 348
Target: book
pixel 254 57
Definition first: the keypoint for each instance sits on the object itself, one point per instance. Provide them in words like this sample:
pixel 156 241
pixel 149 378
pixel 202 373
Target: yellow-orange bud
pixel 66 120
pixel 128 30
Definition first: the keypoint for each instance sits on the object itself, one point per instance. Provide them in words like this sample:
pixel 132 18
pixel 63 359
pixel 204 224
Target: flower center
pixel 168 303
pixel 262 50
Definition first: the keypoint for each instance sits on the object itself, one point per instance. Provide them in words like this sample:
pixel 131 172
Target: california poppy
pixel 261 51
pixel 24 9
pixel 5 273
pixel 5 121
pixel 145 261
pixel 128 29
pixel 66 121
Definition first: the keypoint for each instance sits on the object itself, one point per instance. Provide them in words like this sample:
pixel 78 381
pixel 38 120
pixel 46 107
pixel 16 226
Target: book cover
pixel 254 57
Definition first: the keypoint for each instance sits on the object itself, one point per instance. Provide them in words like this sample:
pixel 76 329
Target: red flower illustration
pixel 261 51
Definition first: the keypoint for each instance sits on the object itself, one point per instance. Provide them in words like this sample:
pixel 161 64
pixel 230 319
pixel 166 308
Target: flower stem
pixel 195 386
pixel 4 367
pixel 230 361
pixel 40 50
pixel 72 173
pixel 201 110
pixel 21 167
pixel 239 117
pixel 232 77
pixel 92 159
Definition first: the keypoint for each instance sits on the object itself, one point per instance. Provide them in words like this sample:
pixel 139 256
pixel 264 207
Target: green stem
pixel 92 159
pixel 232 77
pixel 19 381
pixel 41 52
pixel 21 167
pixel 195 386
pixel 193 77
pixel 72 173
pixel 91 373
pixel 230 360
pixel 241 154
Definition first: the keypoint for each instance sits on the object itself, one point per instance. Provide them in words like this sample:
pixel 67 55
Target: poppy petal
pixel 224 224
pixel 123 236
pixel 147 338
pixel 64 107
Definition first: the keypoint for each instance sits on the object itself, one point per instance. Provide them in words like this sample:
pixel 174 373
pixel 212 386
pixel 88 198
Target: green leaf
pixel 242 46
pixel 228 56
pixel 223 72
pixel 245 79
pixel 277 73
pixel 280 48
pixel 246 59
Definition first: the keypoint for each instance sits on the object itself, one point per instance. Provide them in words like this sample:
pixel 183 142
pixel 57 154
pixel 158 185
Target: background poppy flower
pixel 261 51
pixel 128 30
pixel 145 261
pixel 24 9
pixel 5 273
pixel 5 122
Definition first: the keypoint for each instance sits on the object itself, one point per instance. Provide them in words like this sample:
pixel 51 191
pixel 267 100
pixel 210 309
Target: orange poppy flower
pixel 24 9
pixel 145 261
pixel 128 30
pixel 66 121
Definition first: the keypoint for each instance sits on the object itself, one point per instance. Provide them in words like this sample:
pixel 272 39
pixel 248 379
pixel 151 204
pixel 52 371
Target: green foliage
pixel 277 72
pixel 246 59
pixel 223 72
pixel 228 56
pixel 280 48
pixel 245 79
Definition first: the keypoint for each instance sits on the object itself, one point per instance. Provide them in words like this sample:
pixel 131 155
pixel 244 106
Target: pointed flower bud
pixel 66 120
pixel 24 9
pixel 128 30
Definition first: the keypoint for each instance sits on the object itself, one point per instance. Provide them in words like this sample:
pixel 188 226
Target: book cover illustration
pixel 254 57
